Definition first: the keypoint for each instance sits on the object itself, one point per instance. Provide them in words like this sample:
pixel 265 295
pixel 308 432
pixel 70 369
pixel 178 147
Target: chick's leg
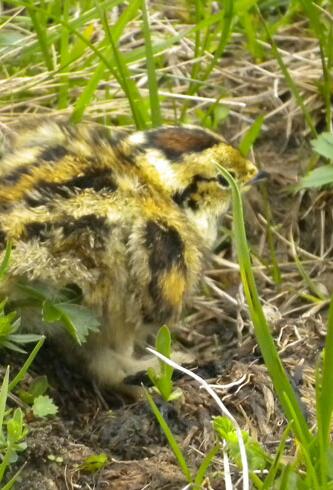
pixel 110 368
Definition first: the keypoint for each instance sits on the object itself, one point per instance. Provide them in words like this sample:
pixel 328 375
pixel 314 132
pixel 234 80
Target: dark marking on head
pixel 193 204
pixel 98 179
pixel 223 181
pixel 54 153
pixel 185 197
pixel 175 142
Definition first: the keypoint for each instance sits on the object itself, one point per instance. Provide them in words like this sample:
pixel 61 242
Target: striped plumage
pixel 126 217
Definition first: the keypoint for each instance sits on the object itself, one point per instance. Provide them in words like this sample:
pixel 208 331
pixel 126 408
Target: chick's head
pixel 186 162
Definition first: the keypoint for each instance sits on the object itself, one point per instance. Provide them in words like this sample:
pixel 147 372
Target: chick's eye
pixel 223 181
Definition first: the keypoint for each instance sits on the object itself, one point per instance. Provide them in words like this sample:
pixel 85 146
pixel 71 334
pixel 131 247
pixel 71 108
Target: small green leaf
pixel 94 463
pixel 257 457
pixel 79 320
pixel 10 38
pixel 324 145
pixel 16 430
pixel 250 136
pixel 3 398
pixel 38 387
pixel 163 341
pixel 176 395
pixel 290 480
pixel 37 291
pixel 162 380
pixel 50 313
pixel 5 261
pixel 22 372
pixel 318 177
pixel 25 338
pixel 43 406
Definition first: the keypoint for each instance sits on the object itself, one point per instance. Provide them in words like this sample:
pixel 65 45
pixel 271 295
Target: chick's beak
pixel 261 176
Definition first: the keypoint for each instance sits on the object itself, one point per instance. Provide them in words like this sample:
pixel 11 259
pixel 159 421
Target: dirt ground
pixel 216 329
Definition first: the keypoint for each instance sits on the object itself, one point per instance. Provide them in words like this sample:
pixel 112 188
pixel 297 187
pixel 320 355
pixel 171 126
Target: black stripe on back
pixel 88 222
pixel 39 230
pixel 14 176
pixel 100 180
pixel 79 229
pixel 52 154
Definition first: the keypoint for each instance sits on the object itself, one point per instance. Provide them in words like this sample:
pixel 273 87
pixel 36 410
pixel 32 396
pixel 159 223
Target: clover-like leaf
pixel 43 406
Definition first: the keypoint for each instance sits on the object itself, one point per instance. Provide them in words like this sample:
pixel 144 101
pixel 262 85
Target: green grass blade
pixel 322 439
pixel 274 264
pixel 64 58
pixel 325 49
pixel 75 23
pixel 226 30
pixel 5 261
pixel 155 109
pixel 306 278
pixel 199 48
pixel 290 82
pixel 5 462
pixel 224 24
pixel 3 397
pixel 251 136
pixel 40 28
pixel 140 53
pixel 249 21
pixel 206 462
pixel 133 96
pixel 271 475
pixel 13 480
pixel 22 372
pixel 170 437
pixel 88 93
pixel 325 398
pixel 327 85
pixel 265 340
pixel 86 97
pixel 305 448
pixel 328 79
pixel 123 76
